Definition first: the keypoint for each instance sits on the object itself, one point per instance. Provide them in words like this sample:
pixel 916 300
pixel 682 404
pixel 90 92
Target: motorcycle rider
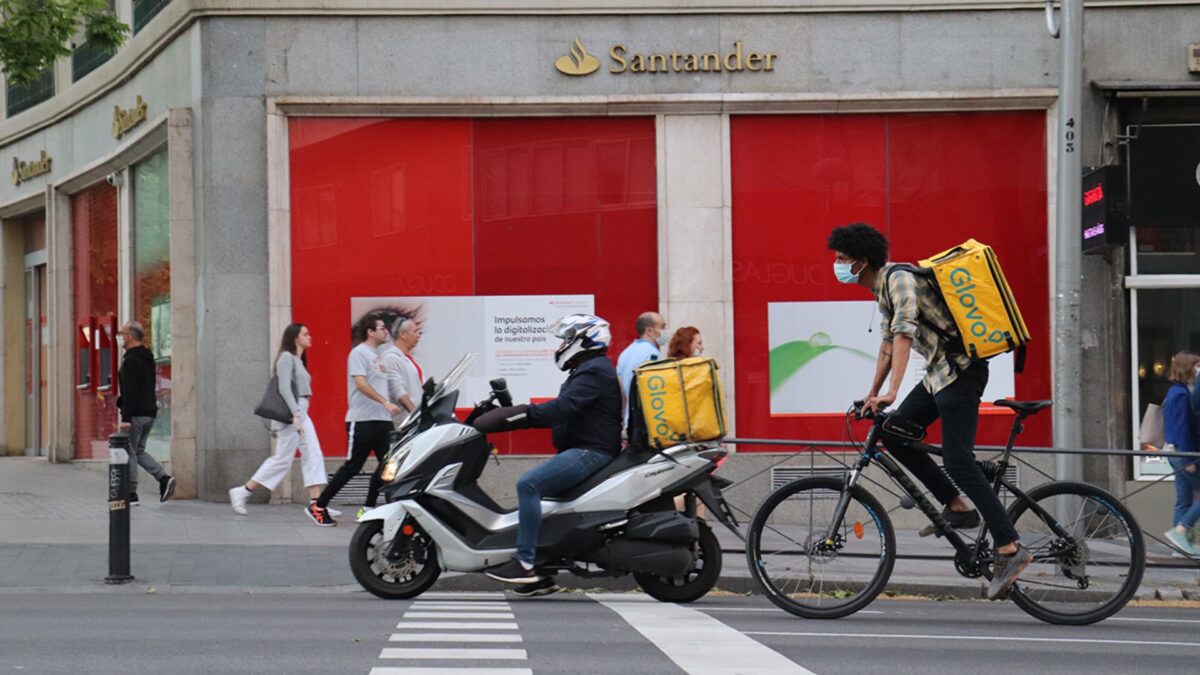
pixel 585 420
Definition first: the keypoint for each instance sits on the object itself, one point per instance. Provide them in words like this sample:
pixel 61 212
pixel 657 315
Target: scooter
pixel 619 521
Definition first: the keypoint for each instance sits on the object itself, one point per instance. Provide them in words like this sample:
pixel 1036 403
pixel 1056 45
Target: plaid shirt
pixel 907 298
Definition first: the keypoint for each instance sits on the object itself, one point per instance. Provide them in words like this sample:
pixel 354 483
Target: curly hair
pixel 860 241
pixel 680 346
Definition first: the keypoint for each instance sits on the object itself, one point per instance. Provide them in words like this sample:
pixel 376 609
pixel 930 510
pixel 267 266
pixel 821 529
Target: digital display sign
pixel 1104 221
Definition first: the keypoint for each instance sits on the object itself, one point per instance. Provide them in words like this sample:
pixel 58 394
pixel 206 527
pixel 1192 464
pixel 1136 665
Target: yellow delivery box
pixel 681 401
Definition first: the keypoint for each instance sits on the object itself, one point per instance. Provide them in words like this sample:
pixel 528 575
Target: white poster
pixel 508 333
pixel 822 358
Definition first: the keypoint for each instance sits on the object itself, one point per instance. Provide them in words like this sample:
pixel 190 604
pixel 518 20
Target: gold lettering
pixel 736 55
pixel 715 59
pixel 24 171
pixel 753 61
pixel 125 120
pixel 658 59
pixel 675 61
pixel 771 56
pixel 615 53
pixel 692 65
pixel 639 64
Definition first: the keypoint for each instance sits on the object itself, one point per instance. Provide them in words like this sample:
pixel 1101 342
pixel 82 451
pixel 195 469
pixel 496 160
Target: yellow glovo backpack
pixel 985 312
pixel 680 401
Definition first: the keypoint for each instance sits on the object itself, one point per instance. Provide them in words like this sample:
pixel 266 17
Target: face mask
pixel 844 274
pixel 698 352
pixel 661 339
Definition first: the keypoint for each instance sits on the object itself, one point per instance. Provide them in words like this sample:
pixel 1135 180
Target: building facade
pixel 240 165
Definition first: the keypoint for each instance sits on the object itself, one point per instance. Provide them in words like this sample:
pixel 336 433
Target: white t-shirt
pixel 365 361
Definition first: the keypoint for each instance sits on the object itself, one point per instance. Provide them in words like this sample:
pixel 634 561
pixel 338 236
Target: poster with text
pixel 508 332
pixel 822 358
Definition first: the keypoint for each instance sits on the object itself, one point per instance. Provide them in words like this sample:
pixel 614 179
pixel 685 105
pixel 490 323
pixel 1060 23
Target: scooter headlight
pixel 391 465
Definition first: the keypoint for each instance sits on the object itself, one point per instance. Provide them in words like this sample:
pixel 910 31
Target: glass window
pixel 1168 321
pixel 94 222
pixel 152 282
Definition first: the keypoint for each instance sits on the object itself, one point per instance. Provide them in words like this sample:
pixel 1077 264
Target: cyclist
pixel 916 317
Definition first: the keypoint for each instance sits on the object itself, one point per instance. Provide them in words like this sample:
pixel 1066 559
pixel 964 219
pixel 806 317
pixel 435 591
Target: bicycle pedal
pixel 930 529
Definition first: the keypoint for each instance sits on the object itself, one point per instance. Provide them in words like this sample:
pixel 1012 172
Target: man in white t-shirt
pixel 404 374
pixel 368 418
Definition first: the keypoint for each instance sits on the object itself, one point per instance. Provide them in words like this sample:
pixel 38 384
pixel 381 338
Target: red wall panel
pixel 927 181
pixel 94 284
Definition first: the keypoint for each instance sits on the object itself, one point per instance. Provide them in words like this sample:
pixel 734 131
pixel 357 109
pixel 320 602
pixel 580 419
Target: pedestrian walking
pixel 138 379
pixel 651 337
pixel 295 386
pixel 685 343
pixel 1179 432
pixel 368 417
pixel 404 374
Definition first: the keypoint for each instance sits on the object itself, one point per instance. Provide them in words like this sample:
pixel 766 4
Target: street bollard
pixel 118 509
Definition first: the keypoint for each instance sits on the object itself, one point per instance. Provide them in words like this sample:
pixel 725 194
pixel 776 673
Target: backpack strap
pixel 954 343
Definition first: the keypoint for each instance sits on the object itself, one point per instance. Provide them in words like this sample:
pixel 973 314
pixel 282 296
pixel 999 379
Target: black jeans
pixel 958 407
pixel 365 438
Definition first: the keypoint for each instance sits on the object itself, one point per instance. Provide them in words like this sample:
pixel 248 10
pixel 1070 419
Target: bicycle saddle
pixel 1024 407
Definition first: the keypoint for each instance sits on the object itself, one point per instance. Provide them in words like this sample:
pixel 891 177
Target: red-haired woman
pixel 685 343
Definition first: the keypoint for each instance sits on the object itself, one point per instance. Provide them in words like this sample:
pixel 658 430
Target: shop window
pixel 1168 322
pixel 152 283
pixel 94 225
pixel 459 207
pixel 928 182
pixel 1164 197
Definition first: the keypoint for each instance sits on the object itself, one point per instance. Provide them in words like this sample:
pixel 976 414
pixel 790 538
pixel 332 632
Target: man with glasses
pixel 368 418
pixel 138 379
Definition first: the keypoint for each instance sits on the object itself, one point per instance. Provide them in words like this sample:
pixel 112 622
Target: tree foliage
pixel 34 33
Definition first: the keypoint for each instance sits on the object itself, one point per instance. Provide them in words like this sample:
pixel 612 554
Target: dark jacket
pixel 138 380
pixel 587 412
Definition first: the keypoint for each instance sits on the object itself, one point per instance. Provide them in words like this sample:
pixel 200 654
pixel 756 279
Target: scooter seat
pixel 623 461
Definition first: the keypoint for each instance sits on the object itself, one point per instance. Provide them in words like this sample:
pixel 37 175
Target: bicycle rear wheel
pixel 804 573
pixel 1091 574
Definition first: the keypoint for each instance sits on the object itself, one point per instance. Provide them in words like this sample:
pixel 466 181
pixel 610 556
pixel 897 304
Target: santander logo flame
pixel 578 61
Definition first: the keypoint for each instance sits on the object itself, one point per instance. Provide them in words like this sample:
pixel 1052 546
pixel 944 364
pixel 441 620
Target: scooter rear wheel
pixel 694 584
pixel 405 578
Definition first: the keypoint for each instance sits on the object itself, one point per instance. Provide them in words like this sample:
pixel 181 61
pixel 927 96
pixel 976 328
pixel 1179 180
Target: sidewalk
pixel 55 538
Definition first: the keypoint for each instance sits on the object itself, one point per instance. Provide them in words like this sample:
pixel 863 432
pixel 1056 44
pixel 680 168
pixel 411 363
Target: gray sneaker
pixel 1006 570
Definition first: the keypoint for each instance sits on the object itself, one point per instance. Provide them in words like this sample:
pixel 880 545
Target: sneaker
pixel 166 488
pixel 362 510
pixel 959 520
pixel 332 511
pixel 237 499
pixel 319 515
pixel 1006 570
pixel 544 587
pixel 513 572
pixel 1180 541
pixel 133 499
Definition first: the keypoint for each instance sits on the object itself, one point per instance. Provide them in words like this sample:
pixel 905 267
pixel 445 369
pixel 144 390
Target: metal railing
pixel 813 448
pixel 22 98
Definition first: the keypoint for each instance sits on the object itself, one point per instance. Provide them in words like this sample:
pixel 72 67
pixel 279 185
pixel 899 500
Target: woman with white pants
pixel 295 386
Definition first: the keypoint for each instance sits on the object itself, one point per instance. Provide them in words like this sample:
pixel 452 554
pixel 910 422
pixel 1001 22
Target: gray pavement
pixel 55 533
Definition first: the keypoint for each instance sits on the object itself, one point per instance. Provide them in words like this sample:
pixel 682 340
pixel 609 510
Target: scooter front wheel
pixel 407 577
pixel 696 582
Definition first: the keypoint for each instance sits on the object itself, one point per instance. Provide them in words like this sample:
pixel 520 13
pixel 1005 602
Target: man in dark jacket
pixel 585 422
pixel 139 408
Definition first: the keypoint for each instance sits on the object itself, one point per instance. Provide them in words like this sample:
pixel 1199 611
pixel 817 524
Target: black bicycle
pixel 824 547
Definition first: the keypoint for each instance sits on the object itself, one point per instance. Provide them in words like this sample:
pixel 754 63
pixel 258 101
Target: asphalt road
pixel 493 634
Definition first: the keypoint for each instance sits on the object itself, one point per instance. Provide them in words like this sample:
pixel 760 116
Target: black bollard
pixel 118 509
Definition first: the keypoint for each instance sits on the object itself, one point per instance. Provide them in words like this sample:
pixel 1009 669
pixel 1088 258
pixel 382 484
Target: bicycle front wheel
pixel 803 571
pixel 1087 570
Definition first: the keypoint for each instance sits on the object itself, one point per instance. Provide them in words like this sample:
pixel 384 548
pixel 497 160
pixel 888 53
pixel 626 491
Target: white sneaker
pixel 333 512
pixel 237 499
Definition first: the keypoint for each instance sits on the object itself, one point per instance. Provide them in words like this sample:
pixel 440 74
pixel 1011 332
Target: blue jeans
pixel 564 471
pixel 1187 508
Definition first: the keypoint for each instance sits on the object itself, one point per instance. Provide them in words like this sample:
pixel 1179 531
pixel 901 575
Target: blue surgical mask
pixel 844 273
pixel 662 339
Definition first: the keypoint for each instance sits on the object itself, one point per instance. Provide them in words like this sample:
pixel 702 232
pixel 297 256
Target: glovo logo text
pixel 964 293
pixel 577 61
pixel 657 384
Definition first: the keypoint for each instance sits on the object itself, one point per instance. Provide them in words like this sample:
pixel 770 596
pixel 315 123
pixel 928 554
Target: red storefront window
pixel 927 181
pixel 466 207
pixel 94 222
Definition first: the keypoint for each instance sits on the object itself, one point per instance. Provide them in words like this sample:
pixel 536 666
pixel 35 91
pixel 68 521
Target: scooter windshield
pixel 454 378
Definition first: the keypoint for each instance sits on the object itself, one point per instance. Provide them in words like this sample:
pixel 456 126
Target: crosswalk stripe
pixel 696 642
pixel 482 607
pixel 457 653
pixel 454 595
pixel 451 671
pixel 455 637
pixel 458 625
pixel 446 671
pixel 417 614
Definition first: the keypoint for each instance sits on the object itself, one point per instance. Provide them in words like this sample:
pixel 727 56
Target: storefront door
pixel 36 351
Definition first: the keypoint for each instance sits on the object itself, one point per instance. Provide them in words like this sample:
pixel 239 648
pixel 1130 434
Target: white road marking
pixel 445 671
pixel 453 595
pixel 479 607
pixel 454 637
pixel 696 642
pixel 996 638
pixel 458 625
pixel 457 653
pixel 1130 618
pixel 768 609
pixel 421 614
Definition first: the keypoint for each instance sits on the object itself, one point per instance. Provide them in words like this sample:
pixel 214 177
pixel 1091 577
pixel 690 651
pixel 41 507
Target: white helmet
pixel 579 333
